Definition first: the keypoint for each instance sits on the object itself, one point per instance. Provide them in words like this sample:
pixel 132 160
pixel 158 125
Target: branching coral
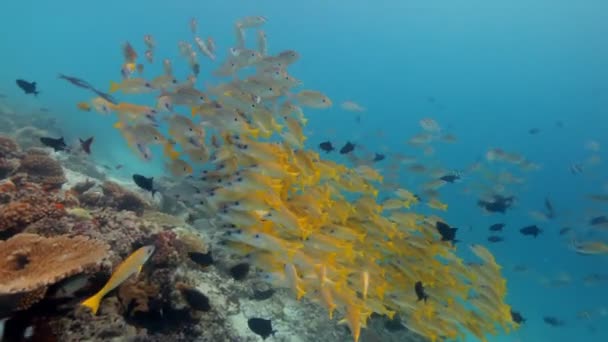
pixel 8 147
pixel 42 169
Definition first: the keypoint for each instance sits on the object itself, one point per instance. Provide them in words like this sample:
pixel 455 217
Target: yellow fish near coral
pixel 131 265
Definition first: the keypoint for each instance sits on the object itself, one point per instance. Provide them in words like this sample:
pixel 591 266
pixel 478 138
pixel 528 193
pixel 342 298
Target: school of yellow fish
pixel 311 225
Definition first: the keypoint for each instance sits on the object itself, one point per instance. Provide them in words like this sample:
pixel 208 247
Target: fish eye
pixel 155 138
pixel 174 81
pixel 237 203
pixel 236 119
pixel 270 89
pixel 240 179
pixel 185 169
pixel 219 180
pixel 257 236
pixel 324 100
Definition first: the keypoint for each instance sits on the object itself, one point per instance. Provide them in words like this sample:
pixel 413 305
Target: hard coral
pixel 8 147
pixel 42 169
pixel 166 253
pixel 135 296
pixel 29 263
pixel 122 199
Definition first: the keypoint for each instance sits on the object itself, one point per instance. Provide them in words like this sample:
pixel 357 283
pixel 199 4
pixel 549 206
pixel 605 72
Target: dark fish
pixel 554 321
pixel 576 169
pixel 564 230
pixel 419 289
pixel 260 326
pixel 28 87
pixel 394 324
pixel 195 299
pixel 86 145
pixel 379 157
pixel 550 209
pixel 119 166
pixel 347 148
pixel 239 271
pixel 145 183
pixel 202 259
pixel 517 317
pixel 495 238
pixel 262 295
pixel 497 227
pixel 105 96
pixel 534 131
pixel 55 144
pixel 76 81
pixel 498 204
pixel 531 230
pixel 326 146
pixel 598 220
pixel 450 178
pixel 447 233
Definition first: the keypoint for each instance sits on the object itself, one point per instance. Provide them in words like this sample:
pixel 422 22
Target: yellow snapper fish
pixel 130 266
pixel 179 168
pixel 352 106
pixel 313 99
pixel 131 86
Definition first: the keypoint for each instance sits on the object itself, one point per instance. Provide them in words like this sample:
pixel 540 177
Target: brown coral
pixel 135 296
pixel 122 199
pixel 29 262
pixel 42 169
pixel 8 147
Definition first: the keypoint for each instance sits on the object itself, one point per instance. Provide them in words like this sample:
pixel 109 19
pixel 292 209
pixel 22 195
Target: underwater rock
pixel 195 299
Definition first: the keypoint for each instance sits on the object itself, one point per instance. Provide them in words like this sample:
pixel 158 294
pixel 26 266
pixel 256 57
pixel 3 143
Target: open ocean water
pixel 487 72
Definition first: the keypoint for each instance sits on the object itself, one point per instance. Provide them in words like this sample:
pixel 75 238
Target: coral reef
pixel 42 169
pixel 122 199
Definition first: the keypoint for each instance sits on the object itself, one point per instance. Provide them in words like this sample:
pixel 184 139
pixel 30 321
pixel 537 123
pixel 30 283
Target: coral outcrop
pixel 42 169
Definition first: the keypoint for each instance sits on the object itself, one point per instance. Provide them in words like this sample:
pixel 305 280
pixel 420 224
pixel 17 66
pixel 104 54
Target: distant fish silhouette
pixel 326 146
pixel 28 87
pixel 379 157
pixel 55 144
pixel 420 293
pixel 497 227
pixel 447 233
pixel 531 230
pixel 76 81
pixel 86 145
pixel 347 148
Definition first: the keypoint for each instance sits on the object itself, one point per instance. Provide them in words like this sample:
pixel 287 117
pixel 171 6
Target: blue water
pixel 496 69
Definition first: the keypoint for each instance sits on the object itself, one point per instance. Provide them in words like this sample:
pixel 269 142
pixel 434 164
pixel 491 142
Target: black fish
pixel 348 148
pixel 195 299
pixel 76 81
pixel 262 295
pixel 240 271
pixel 55 144
pixel 534 131
pixel 498 204
pixel 450 178
pixel 28 87
pixel 145 183
pixel 419 289
pixel 549 207
pixel 495 238
pixel 598 220
pixel 517 317
pixel 447 233
pixel 203 259
pixel 379 157
pixel 531 230
pixel 260 326
pixel 86 145
pixel 497 227
pixel 554 321
pixel 326 146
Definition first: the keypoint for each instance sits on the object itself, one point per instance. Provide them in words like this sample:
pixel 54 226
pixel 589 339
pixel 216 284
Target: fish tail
pixel 193 111
pixel 255 133
pixel 93 302
pixel 170 152
pixel 114 87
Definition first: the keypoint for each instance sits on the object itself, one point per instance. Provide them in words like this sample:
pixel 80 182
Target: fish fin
pixel 170 152
pixel 139 270
pixel 93 303
pixel 114 86
pixel 119 125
